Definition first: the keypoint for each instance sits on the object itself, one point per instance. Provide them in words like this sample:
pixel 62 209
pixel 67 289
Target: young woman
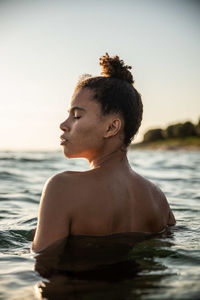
pixel 104 115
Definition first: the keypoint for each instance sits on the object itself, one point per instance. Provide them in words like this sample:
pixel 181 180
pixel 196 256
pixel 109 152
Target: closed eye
pixel 73 112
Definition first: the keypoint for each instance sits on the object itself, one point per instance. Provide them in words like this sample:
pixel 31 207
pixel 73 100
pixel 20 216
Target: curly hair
pixel 116 94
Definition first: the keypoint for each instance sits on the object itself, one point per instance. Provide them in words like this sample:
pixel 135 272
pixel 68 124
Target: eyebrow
pixel 72 109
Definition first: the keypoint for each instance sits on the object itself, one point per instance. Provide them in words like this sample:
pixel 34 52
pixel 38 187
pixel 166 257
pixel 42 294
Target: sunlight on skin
pixel 38 290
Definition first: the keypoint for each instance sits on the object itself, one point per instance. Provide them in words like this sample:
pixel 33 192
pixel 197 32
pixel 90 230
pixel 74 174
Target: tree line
pixel 178 130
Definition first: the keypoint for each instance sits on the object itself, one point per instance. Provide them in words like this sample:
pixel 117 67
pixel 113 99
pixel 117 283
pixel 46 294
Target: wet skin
pixel 111 197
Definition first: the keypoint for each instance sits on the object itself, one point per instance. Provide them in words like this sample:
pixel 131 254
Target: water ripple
pixel 167 263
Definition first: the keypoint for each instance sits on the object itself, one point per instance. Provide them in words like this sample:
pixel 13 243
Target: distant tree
pixel 186 129
pixel 197 128
pixel 180 130
pixel 170 131
pixel 153 135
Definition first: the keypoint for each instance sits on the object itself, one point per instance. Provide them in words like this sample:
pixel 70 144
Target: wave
pixel 15 159
pixel 7 175
pixel 12 239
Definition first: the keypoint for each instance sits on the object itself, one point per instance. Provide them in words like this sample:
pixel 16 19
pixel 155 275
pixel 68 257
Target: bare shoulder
pixel 60 183
pixel 57 179
pixel 155 201
pixel 55 211
pixel 146 185
pixel 156 194
pixel 149 186
pixel 64 190
pixel 66 185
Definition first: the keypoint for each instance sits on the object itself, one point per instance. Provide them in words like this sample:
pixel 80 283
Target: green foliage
pixel 197 128
pixel 179 130
pixel 153 135
pixel 169 131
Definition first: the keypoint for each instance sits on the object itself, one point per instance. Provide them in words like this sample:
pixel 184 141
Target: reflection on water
pixel 109 267
pixel 166 266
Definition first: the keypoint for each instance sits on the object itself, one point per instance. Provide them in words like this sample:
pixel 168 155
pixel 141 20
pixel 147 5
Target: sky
pixel 46 45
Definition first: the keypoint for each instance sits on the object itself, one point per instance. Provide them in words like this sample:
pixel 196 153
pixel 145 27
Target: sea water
pixel 168 266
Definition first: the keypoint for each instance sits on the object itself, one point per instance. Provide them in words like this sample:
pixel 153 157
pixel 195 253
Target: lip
pixel 63 140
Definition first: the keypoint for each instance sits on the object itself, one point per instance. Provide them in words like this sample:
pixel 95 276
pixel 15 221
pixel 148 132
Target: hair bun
pixel 115 67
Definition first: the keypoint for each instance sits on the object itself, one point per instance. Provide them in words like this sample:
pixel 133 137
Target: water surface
pixel 166 266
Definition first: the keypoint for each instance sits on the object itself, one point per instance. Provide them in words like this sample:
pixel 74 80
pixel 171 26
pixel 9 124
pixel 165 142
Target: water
pixel 168 265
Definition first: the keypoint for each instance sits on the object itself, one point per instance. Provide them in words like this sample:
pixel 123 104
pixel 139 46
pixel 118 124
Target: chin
pixel 69 154
pixel 65 152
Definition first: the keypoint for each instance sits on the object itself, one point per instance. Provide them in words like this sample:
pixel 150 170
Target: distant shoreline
pixel 190 144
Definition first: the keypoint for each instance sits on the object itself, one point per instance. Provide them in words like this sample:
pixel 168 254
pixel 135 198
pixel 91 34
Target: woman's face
pixel 84 129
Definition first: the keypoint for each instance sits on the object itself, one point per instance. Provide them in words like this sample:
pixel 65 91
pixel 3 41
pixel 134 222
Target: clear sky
pixel 46 45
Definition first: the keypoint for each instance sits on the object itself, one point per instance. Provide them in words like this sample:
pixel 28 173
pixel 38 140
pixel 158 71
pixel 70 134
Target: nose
pixel 64 126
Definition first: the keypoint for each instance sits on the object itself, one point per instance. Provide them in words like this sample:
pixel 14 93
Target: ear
pixel 113 127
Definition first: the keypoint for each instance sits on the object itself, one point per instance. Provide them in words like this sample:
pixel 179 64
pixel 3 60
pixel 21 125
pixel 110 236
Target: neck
pixel 118 155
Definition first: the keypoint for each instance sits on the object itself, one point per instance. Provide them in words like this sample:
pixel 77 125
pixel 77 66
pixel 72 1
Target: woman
pixel 104 115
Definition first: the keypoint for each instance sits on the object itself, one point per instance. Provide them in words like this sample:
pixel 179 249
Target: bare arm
pixel 53 219
pixel 171 220
pixel 170 217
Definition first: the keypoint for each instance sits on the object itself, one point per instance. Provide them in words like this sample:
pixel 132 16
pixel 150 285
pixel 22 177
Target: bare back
pixel 121 201
pixel 105 200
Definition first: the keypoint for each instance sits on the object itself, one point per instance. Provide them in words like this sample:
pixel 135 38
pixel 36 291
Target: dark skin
pixel 111 197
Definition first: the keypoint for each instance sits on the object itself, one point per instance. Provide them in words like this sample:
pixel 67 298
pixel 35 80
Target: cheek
pixel 90 134
pixel 82 128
